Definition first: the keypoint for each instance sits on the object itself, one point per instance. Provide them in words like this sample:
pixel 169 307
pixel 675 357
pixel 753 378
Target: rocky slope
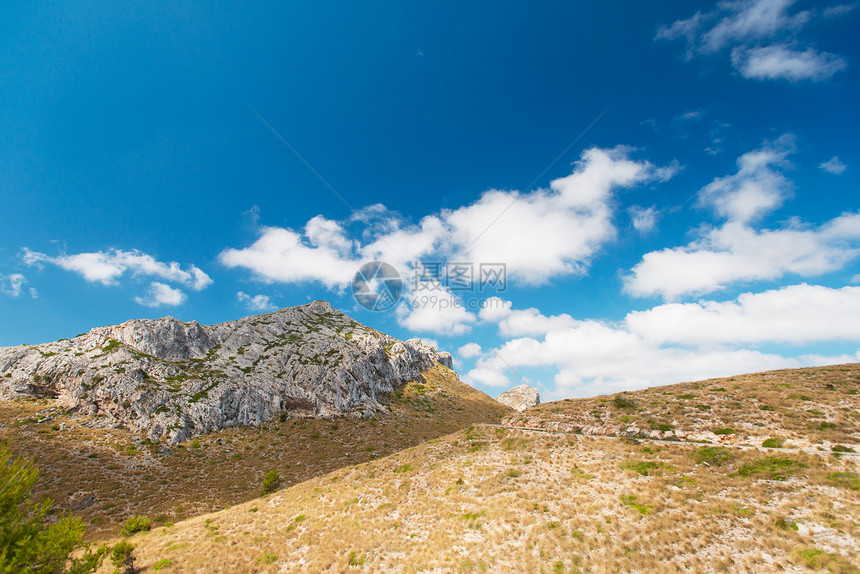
pixel 171 380
pixel 813 408
pixel 520 398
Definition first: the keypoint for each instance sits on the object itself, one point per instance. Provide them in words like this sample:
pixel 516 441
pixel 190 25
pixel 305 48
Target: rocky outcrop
pixel 521 397
pixel 171 380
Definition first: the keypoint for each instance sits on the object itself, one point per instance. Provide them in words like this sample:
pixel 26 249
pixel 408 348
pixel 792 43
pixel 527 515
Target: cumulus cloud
pixel 756 32
pixel 107 267
pixel 796 314
pixel 537 235
pixel 321 253
pixel 260 303
pixel 469 350
pixel 738 251
pixel 735 252
pixel 672 343
pixel 435 309
pixel 757 188
pixel 782 62
pixel 833 165
pixel 161 295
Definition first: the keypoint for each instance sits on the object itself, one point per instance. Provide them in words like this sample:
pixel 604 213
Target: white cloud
pixel 757 32
pixel 750 20
pixel 106 267
pixel 757 188
pixel 257 302
pixel 435 309
pixel 531 322
pixel 541 234
pixel 833 165
pixel 284 255
pixel 537 235
pixel 490 377
pixel 469 350
pixel 734 21
pixel 674 343
pixel 161 295
pixel 13 285
pixel 838 10
pixel 736 251
pixel 795 314
pixel 643 219
pixel 781 62
pixel 495 309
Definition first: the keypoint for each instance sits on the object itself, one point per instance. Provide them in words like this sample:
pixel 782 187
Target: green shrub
pixel 642 467
pixel 713 455
pixel 356 559
pixel 122 556
pixel 623 402
pixel 774 442
pixel 135 524
pixel 724 431
pixel 772 467
pixel 271 481
pixel 785 523
pixel 849 479
pixel 629 500
pixel 841 448
pixel 163 563
pixel 27 543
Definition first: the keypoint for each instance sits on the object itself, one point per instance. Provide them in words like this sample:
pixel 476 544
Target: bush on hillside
pixel 28 543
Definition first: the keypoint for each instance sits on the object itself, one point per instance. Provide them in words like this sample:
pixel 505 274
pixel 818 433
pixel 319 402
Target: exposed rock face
pixel 169 379
pixel 520 397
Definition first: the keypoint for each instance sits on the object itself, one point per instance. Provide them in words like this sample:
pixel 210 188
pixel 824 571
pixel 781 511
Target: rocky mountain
pixel 172 380
pixel 520 398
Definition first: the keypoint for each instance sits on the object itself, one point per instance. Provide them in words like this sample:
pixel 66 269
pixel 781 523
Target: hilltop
pixel 491 498
pixel 172 380
pixel 816 408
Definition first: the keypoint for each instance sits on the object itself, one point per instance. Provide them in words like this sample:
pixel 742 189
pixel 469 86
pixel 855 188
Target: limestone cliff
pixel 171 380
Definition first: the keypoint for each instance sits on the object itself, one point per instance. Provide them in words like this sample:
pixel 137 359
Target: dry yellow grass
pixel 491 499
pixel 495 500
pixel 106 476
pixel 814 408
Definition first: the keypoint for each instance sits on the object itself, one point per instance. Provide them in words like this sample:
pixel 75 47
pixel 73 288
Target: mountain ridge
pixel 169 379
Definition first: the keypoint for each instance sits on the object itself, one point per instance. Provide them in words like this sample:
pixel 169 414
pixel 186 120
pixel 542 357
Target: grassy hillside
pixel 807 408
pixel 496 500
pixel 501 500
pixel 106 476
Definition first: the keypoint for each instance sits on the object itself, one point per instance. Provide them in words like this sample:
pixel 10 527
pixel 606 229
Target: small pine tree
pixel 122 556
pixel 27 542
pixel 271 481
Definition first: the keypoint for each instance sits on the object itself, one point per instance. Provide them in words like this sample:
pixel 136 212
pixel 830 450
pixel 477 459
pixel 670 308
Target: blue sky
pixel 672 188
